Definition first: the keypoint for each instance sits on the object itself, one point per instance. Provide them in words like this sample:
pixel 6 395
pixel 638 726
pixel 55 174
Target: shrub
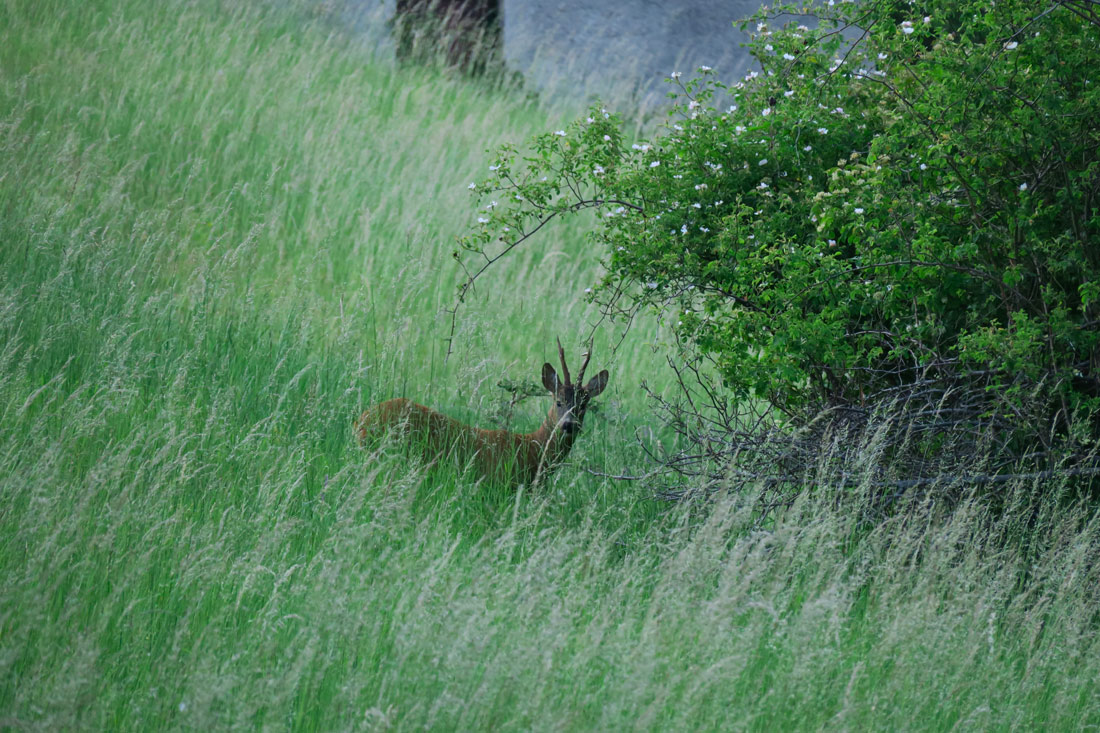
pixel 898 207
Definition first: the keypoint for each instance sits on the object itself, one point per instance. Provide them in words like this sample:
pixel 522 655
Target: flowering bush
pixel 896 205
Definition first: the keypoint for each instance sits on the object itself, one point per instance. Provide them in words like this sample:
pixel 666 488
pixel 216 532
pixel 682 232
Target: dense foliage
pixel 900 205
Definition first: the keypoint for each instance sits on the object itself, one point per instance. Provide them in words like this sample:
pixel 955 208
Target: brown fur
pixel 518 458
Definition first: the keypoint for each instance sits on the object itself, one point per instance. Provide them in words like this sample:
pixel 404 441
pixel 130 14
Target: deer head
pixel 571 400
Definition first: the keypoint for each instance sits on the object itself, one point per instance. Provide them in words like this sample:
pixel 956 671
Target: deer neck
pixel 554 442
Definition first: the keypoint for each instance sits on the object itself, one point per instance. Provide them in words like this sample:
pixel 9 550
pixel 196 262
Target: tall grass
pixel 224 231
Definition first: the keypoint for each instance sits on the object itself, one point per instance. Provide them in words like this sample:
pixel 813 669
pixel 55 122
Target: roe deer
pixel 520 458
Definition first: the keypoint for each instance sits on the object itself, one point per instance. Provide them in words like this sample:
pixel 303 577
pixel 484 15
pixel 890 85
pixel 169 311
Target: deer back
pixel 495 453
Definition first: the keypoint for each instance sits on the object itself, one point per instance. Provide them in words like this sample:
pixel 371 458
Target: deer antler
pixel 587 356
pixel 564 368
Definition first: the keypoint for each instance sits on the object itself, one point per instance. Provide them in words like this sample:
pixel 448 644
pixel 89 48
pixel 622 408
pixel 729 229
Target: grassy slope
pixel 221 235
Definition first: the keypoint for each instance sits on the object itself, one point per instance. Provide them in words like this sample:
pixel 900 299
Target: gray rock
pixel 623 50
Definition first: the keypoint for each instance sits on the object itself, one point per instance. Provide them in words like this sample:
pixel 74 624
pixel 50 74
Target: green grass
pixel 223 233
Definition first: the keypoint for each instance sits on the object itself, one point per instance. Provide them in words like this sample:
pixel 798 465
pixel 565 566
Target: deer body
pixel 519 458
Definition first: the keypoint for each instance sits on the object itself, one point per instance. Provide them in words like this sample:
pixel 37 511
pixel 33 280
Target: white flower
pixel 494 167
pixel 761 27
pixel 654 164
pixel 704 69
pixel 823 130
pixel 882 56
pixel 674 75
pixel 482 220
pixel 598 170
pixel 766 111
pixel 700 187
pixel 832 242
pixel 620 249
pixel 183 707
pixel 704 230
pixel 492 205
pixel 472 186
pixel 923 166
pixel 642 148
pixel 804 28
pixel 788 93
pixel 560 133
pixel 807 148
pixel 858 210
pixel 927 19
pixel 684 229
pixel 607 138
pixel 906 27
pixel 768 47
pixel 1011 45
pixel 651 285
pixel 762 186
pixel 697 205
pixel 588 290
pixel 763 161
pixel 1023 186
pixel 589 120
pixel 693 104
pixel 788 57
pixel 739 129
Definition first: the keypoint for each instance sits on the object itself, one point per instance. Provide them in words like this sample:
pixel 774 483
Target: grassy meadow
pixel 225 230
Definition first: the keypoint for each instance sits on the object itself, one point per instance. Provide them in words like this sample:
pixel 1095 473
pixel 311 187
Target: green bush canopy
pixel 899 206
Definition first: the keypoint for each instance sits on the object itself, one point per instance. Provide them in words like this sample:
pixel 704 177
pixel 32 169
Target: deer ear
pixel 549 378
pixel 596 384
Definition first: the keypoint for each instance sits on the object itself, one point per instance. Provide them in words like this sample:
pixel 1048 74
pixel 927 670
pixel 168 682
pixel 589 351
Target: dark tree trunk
pixel 464 33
